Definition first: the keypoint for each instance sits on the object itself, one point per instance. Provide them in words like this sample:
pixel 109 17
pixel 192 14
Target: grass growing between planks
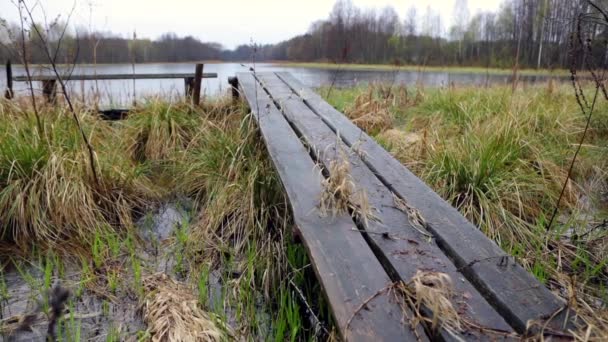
pixel 501 158
pixel 230 260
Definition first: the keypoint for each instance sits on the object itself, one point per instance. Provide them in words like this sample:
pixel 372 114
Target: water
pixel 120 93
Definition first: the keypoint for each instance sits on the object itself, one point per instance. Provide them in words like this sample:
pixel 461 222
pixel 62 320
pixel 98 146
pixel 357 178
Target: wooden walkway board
pixel 407 249
pixel 514 292
pixel 345 265
pixel 356 258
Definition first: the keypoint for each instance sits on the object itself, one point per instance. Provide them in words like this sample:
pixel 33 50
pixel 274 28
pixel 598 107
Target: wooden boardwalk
pixel 358 262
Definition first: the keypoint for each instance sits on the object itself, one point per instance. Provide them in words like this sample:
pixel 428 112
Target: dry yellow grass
pixel 338 189
pixel 370 113
pixel 172 313
pixel 433 291
pixel 340 194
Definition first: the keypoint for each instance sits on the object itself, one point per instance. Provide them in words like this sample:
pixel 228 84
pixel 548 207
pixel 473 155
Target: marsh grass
pixel 158 129
pixel 501 158
pixel 340 194
pixel 48 194
pixel 232 255
pixel 243 228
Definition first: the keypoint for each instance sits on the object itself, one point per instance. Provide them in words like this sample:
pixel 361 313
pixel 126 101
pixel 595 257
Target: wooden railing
pixel 192 81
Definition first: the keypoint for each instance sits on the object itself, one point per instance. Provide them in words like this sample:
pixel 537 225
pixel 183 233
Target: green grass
pixel 501 158
pixel 419 68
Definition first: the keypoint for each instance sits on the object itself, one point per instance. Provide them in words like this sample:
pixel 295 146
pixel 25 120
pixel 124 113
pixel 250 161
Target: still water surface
pixel 120 93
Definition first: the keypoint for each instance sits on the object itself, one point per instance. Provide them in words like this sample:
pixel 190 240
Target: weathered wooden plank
pixel 514 292
pixel 49 91
pixel 406 250
pixel 234 84
pixel 111 77
pixel 113 114
pixel 8 94
pixel 188 87
pixel 343 262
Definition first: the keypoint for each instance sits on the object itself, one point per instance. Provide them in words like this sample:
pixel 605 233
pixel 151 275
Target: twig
pixel 318 324
pixel 599 9
pixel 503 261
pixel 367 301
pixel 578 149
pixel 603 224
pixel 90 150
pixel 27 70
pixel 344 56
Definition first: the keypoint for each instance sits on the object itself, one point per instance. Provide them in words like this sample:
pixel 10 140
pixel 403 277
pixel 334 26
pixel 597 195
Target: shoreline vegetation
pixel 498 156
pixel 423 68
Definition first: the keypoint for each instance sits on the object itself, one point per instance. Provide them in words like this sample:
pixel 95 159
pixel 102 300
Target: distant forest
pixel 535 33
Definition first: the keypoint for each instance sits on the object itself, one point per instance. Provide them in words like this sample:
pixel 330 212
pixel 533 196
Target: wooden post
pixel 198 78
pixel 234 82
pixel 49 90
pixel 188 86
pixel 9 80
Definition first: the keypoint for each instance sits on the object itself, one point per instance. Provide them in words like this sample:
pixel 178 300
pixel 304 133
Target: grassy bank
pixel 228 258
pixel 420 68
pixel 501 158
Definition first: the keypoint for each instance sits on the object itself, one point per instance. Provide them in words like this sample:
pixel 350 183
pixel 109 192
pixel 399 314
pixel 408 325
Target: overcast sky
pixel 229 22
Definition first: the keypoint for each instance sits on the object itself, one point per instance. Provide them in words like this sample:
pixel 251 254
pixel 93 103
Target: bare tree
pixel 52 59
pixel 410 24
pixel 460 21
pixel 23 54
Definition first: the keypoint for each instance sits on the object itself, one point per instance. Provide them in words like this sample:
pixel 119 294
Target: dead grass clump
pixel 400 140
pixel 338 189
pixel 340 194
pixel 172 313
pixel 370 113
pixel 433 291
pixel 413 215
pixel 408 147
pixel 48 195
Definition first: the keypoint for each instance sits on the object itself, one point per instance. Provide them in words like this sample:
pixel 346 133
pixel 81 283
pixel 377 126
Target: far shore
pixel 423 68
pixel 355 66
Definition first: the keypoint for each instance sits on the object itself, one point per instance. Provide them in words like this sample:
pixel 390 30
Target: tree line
pixel 102 47
pixel 528 33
